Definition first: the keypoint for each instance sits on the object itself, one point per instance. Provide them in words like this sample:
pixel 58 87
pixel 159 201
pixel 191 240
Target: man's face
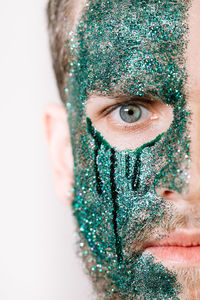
pixel 133 112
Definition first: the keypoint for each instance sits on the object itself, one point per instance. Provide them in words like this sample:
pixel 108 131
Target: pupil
pixel 130 113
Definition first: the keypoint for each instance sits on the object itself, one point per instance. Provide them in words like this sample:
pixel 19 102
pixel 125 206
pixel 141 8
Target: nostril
pixel 167 194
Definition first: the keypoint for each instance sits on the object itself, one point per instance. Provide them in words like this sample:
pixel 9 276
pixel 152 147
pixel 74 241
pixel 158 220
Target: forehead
pixel 134 46
pixel 193 20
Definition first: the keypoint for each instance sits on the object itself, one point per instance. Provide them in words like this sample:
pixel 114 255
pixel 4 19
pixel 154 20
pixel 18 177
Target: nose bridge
pixel 194 169
pixel 191 194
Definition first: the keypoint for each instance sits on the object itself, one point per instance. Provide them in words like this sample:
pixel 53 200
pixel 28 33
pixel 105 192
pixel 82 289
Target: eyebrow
pixel 123 98
pixel 132 98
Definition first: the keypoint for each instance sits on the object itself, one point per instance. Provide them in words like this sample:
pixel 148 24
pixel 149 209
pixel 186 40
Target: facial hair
pixel 188 277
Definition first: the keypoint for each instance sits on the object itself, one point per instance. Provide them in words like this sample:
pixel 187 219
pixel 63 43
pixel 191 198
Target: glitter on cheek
pixel 127 47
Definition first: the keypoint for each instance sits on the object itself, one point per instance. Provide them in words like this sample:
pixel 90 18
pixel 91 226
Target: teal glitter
pixel 128 48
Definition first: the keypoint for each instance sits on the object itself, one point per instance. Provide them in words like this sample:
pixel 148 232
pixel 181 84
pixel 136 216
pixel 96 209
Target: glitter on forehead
pixel 144 41
pixel 128 48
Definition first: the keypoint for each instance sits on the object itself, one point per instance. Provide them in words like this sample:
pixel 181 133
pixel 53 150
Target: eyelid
pixel 136 101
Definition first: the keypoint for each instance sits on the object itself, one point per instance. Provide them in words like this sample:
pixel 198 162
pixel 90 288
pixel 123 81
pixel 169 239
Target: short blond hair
pixel 62 16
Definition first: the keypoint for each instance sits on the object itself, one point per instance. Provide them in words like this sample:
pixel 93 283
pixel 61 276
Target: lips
pixel 180 247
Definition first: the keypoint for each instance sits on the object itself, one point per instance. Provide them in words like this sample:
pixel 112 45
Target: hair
pixel 62 17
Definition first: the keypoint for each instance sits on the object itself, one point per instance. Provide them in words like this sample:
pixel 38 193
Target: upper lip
pixel 180 238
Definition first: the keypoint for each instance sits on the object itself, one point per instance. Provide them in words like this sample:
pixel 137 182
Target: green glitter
pixel 128 48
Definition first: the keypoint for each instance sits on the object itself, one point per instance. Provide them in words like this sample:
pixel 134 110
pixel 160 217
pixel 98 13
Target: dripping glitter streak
pixel 127 48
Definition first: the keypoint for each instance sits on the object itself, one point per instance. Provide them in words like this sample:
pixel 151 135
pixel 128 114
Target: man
pixel 129 72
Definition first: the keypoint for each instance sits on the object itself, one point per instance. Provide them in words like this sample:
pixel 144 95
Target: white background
pixel 37 248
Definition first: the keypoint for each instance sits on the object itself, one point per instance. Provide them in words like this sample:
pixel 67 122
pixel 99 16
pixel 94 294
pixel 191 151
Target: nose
pixel 191 194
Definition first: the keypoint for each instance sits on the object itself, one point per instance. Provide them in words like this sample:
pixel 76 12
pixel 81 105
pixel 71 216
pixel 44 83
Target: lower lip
pixel 176 254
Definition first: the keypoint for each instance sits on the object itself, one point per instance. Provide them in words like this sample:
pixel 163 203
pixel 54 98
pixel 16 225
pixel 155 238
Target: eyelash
pixel 143 122
pixel 145 103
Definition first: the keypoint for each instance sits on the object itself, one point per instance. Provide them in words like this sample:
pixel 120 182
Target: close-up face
pixel 133 105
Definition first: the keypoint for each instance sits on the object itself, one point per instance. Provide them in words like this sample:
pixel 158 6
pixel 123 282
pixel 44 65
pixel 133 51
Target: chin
pixel 189 278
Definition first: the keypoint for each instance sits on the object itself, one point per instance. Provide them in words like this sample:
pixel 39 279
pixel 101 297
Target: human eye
pixel 130 114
